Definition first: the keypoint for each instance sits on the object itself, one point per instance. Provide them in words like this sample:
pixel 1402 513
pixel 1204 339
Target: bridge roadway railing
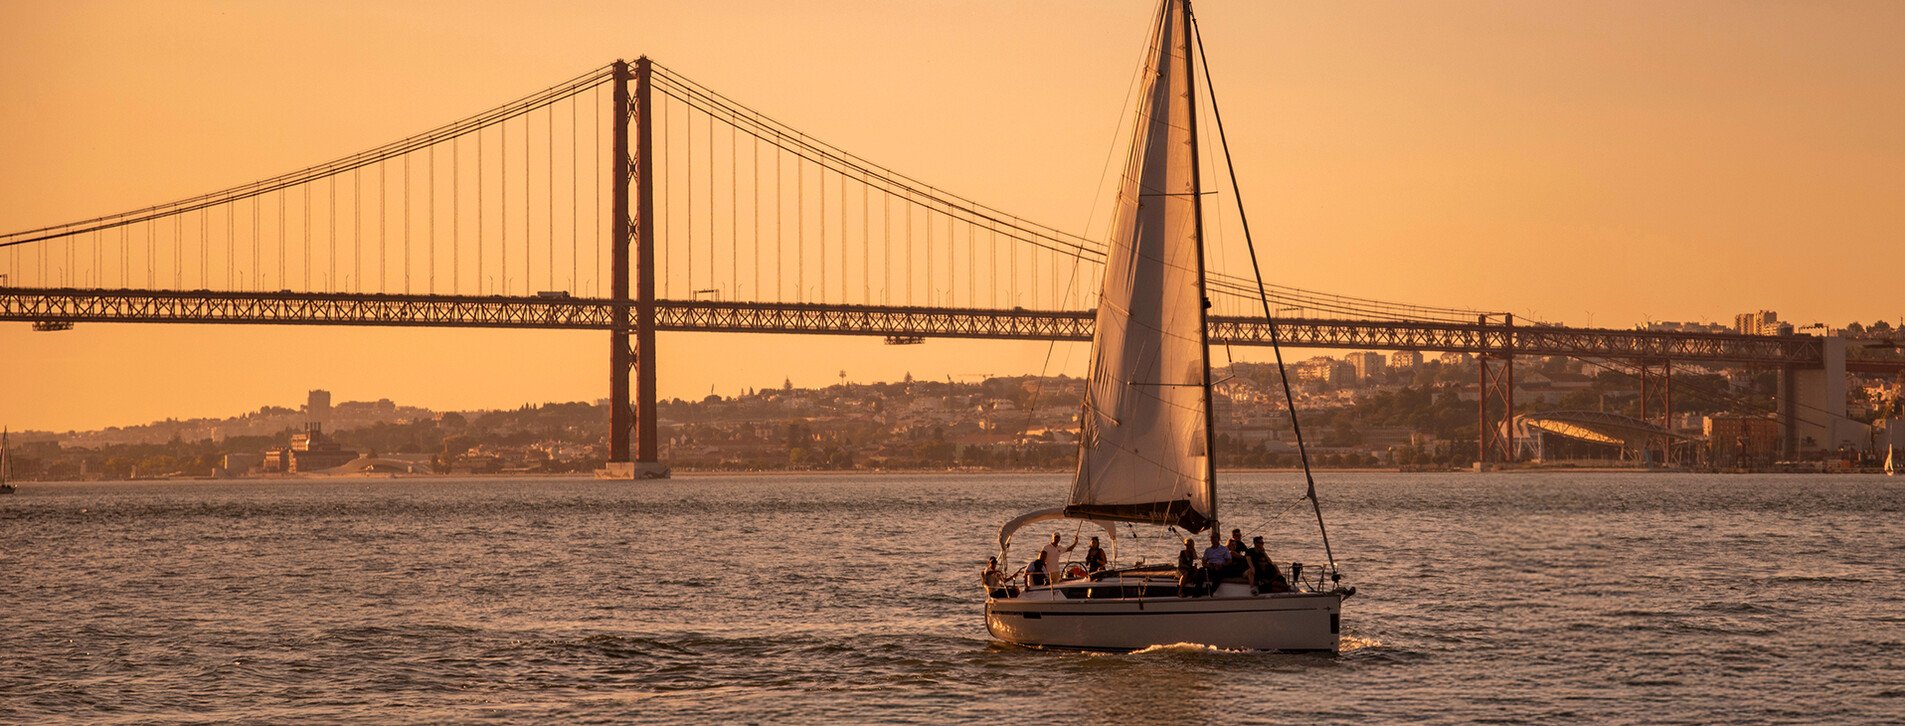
pixel 72 305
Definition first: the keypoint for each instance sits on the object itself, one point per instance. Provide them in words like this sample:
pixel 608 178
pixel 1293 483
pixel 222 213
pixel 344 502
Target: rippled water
pixel 1515 598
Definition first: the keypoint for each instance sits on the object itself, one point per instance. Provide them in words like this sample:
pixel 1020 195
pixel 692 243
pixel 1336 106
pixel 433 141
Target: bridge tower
pixel 632 414
pixel 1656 405
pixel 1496 365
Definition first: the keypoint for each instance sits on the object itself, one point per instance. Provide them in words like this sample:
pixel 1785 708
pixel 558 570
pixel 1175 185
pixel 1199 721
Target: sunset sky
pixel 1595 164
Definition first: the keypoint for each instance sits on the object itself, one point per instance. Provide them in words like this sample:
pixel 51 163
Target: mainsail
pixel 1145 429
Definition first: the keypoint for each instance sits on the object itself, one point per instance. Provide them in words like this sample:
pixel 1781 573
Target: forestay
pixel 1144 435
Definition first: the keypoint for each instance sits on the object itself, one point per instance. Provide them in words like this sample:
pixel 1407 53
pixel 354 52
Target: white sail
pixel 1144 434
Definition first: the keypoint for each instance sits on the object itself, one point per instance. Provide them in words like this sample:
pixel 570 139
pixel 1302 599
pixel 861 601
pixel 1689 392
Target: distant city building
pixel 1764 322
pixel 1366 364
pixel 1742 440
pixel 1405 359
pixel 1455 358
pixel 317 406
pixel 1324 369
pixel 309 451
pixel 1670 326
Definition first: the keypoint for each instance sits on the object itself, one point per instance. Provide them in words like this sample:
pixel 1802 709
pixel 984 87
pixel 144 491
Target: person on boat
pixel 1216 561
pixel 1095 559
pixel 1035 571
pixel 1265 574
pixel 1054 554
pixel 1236 542
pixel 1186 565
pixel 994 580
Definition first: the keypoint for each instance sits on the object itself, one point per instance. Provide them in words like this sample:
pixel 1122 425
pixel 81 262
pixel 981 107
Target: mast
pixel 1203 295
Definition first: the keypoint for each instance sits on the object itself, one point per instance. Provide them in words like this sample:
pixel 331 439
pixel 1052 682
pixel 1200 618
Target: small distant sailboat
pixel 1891 460
pixel 6 465
pixel 1146 436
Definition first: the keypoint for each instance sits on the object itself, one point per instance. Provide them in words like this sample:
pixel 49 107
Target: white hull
pixel 1232 619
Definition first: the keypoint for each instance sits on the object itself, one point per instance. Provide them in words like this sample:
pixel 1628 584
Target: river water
pixel 1484 598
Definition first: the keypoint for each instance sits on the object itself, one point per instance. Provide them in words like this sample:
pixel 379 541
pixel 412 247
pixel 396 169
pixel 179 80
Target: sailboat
pixel 6 466
pixel 1146 434
pixel 1891 465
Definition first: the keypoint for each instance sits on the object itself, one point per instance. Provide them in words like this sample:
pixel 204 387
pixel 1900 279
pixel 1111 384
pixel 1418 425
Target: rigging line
pixel 1275 345
pixel 337 166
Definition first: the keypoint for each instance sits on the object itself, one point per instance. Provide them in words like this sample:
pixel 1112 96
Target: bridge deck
pixel 72 305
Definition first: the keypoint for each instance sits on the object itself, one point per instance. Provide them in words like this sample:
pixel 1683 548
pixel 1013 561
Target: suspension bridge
pixel 632 200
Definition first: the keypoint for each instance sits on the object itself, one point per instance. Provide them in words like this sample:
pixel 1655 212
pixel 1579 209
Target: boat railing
pixel 1136 582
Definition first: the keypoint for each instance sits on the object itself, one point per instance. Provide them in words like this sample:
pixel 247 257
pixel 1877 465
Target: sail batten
pixel 1149 364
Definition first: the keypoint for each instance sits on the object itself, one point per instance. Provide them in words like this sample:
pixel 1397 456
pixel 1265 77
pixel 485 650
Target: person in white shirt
pixel 1054 555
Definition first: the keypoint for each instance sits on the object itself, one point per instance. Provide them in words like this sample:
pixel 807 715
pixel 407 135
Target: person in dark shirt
pixel 1186 565
pixel 1095 559
pixel 1035 572
pixel 1268 577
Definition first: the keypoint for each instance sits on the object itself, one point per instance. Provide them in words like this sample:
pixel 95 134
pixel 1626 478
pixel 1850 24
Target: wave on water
pixel 1350 642
pixel 1183 648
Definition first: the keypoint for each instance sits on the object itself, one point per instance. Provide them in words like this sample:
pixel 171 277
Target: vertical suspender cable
pixel 330 280
pixel 575 248
pixel 502 185
pixel 406 223
pixel 529 174
pixel 432 231
pixel 688 159
pixel 734 210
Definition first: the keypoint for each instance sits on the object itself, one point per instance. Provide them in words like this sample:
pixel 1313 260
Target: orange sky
pixel 1589 163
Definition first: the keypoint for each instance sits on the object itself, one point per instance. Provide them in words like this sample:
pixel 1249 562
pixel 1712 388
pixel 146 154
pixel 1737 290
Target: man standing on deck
pixel 1054 554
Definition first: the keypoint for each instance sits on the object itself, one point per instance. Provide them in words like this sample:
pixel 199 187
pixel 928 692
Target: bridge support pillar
pixel 1656 406
pixel 1496 435
pixel 632 417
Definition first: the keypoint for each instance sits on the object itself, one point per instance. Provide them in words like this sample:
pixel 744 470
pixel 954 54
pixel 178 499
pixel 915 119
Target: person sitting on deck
pixel 1095 559
pixel 1267 577
pixel 1236 542
pixel 1186 565
pixel 994 580
pixel 1216 561
pixel 1035 571
pixel 1053 555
